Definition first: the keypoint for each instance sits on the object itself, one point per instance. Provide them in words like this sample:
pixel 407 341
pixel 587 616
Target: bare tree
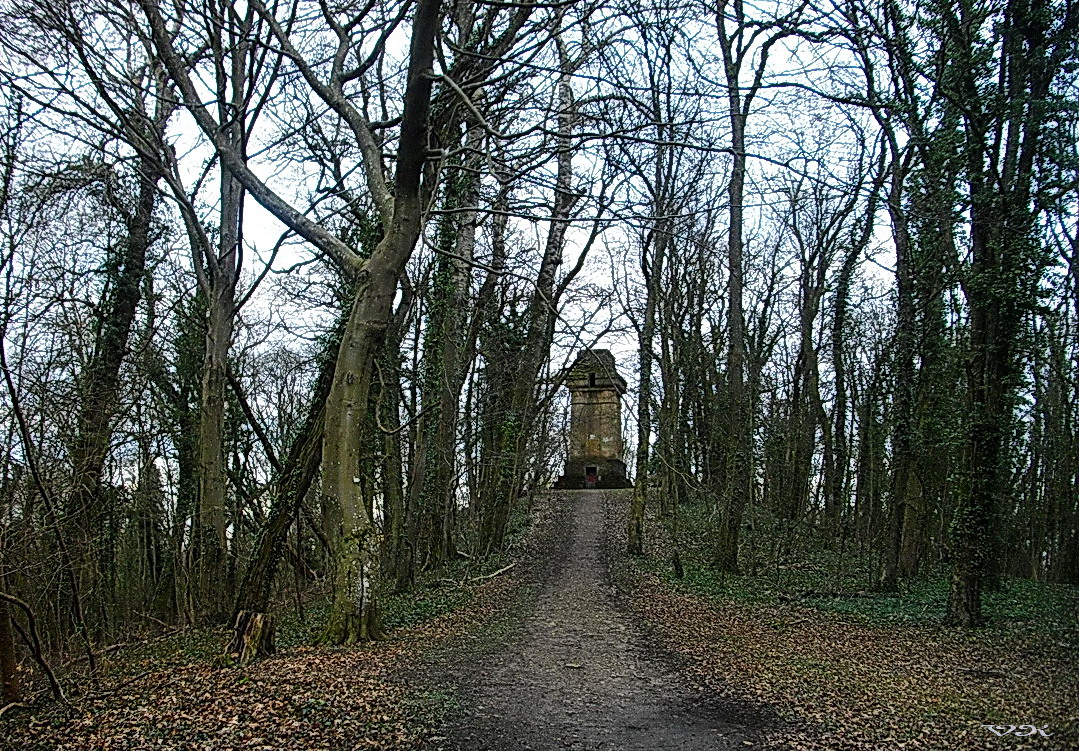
pixel 745 44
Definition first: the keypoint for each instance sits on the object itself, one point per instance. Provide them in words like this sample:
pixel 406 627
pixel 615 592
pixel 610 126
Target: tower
pixel 595 431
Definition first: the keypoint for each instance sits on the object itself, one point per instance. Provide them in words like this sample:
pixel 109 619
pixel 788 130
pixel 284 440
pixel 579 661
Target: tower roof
pixel 594 369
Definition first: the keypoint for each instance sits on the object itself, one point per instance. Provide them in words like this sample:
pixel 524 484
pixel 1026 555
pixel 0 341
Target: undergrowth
pixel 843 581
pixel 848 667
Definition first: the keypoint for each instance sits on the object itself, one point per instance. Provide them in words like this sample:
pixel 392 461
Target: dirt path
pixel 577 673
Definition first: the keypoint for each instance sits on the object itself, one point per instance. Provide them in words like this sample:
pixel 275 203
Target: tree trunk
pixel 10 690
pixel 212 555
pixel 293 481
pixel 355 616
pixel 653 275
pixel 839 367
pixel 432 500
pixel 515 428
pixel 100 384
pixel 652 271
pixel 355 613
pixel 739 459
pixel 214 568
pixel 397 558
pixel 903 359
pixel 216 571
pixel 1007 265
pixel 253 637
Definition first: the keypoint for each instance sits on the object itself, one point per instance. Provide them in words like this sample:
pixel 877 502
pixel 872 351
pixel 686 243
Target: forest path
pixel 576 672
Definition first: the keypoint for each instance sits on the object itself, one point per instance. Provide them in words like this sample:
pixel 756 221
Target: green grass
pixel 299 628
pixel 295 627
pixel 816 577
pixel 1038 605
pixel 434 595
pixel 422 604
pixel 190 645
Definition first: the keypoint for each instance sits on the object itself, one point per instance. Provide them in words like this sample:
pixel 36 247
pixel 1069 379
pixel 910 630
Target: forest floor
pixel 567 644
pixel 577 671
pixel 862 670
pixel 606 652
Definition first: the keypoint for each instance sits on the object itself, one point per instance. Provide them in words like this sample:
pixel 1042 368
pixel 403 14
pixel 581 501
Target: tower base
pixel 606 474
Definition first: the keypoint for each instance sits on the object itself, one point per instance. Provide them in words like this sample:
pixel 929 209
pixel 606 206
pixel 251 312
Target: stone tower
pixel 595 431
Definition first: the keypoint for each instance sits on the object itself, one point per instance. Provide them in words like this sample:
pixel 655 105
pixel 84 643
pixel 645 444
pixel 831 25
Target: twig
pixel 128 682
pixel 112 648
pixel 13 705
pixel 46 496
pixel 502 570
pixel 160 622
pixel 474 579
pixel 33 642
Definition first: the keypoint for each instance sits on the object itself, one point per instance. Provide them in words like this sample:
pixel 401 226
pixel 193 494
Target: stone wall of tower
pixel 595 424
pixel 595 432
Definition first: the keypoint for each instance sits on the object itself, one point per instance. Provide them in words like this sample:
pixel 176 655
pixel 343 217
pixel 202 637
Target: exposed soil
pixel 575 671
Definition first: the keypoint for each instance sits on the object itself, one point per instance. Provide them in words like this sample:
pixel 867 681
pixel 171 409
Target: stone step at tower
pixel 595 431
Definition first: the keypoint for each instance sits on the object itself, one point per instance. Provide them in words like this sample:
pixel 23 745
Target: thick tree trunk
pixel 100 384
pixel 740 455
pixel 213 564
pixel 432 500
pixel 396 558
pixel 355 614
pixel 1006 267
pixel 215 571
pixel 990 374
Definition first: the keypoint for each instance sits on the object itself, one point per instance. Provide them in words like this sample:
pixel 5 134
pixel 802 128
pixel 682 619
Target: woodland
pixel 289 291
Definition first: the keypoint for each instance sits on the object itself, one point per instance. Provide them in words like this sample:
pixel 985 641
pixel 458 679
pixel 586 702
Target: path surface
pixel 578 674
